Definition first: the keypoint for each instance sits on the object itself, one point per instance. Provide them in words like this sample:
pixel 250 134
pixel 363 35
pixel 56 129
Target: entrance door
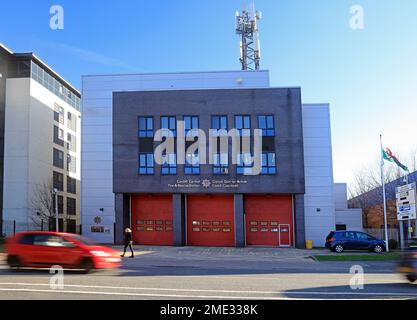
pixel 284 235
pixel 210 221
pixel 264 215
pixel 152 220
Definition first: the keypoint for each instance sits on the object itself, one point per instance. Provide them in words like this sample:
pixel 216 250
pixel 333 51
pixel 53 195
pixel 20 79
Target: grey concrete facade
pixel 283 103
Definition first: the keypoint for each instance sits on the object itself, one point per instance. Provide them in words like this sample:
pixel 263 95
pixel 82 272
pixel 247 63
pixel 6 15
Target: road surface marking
pixel 210 291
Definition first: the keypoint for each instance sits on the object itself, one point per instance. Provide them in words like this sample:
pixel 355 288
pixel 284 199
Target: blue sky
pixel 368 76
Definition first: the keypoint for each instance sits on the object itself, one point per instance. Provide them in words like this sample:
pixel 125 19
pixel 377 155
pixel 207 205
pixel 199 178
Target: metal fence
pixel 11 227
pixel 380 233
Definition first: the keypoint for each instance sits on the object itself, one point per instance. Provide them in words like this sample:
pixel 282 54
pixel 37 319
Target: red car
pixel 45 249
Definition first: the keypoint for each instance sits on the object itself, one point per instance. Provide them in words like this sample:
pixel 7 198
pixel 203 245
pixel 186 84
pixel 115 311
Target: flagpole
pixel 384 196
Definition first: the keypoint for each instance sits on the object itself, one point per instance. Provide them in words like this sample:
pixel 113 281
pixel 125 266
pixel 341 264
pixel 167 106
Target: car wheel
pixel 87 265
pixel 378 248
pixel 14 263
pixel 411 278
pixel 339 248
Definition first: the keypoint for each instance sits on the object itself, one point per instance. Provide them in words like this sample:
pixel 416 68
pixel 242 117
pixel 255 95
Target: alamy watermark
pixel 357 20
pixel 357 281
pixel 172 148
pixel 57 20
pixel 57 280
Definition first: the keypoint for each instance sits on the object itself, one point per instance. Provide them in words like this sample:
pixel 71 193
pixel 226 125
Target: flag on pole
pixel 389 156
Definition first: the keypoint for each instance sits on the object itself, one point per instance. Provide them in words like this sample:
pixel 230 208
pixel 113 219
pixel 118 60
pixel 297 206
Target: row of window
pixel 242 124
pixel 59 116
pixel 59 139
pixel 71 205
pixel 220 166
pixel 53 85
pixel 58 183
pixel 58 161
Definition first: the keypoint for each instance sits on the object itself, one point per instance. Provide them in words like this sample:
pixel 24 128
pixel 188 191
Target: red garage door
pixel 152 220
pixel 210 221
pixel 269 221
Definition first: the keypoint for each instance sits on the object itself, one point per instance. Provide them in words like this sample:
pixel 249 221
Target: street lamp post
pixel 55 193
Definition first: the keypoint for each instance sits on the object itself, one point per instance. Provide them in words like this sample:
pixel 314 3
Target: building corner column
pixel 178 213
pixel 299 220
pixel 239 221
pixel 122 217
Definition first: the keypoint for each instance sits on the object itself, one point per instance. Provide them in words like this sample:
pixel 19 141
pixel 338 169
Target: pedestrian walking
pixel 128 242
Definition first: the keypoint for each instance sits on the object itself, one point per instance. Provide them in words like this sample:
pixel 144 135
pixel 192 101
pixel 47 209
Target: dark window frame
pixel 147 169
pixel 148 130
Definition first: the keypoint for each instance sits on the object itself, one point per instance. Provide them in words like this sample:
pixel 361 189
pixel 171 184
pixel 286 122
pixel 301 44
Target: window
pixel 72 143
pixel 71 185
pixel 191 123
pixel 221 163
pixel 242 124
pixel 350 235
pixel 219 122
pixel 244 164
pixel 146 164
pixel 72 121
pixel 169 123
pixel 58 159
pixel 269 163
pixel 341 227
pixel 71 164
pixel 58 181
pixel 170 165
pixel 71 206
pixel 59 114
pixel 266 124
pixel 71 226
pixel 192 164
pixel 60 204
pixel 145 127
pixel 58 136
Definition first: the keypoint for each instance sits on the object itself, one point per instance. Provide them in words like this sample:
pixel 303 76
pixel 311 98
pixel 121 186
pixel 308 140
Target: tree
pixel 43 205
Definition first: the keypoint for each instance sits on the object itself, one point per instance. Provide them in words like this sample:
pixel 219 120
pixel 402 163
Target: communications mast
pixel 248 31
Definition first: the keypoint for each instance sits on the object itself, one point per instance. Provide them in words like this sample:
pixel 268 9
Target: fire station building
pixel 213 204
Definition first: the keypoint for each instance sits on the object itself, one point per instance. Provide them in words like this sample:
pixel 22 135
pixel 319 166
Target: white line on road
pixel 348 293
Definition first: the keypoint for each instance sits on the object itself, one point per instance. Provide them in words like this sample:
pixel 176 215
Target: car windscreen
pixel 84 241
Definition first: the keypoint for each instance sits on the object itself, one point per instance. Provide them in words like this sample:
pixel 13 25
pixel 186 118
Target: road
pixel 205 274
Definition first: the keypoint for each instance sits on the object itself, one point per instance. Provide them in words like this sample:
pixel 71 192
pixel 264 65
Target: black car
pixel 408 263
pixel 339 241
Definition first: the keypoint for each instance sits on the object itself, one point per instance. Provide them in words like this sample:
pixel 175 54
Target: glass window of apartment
pixel 266 124
pixel 72 121
pixel 58 181
pixel 72 143
pixel 59 114
pixel 60 204
pixel 146 164
pixel 170 165
pixel 146 127
pixel 192 164
pixel 169 123
pixel 242 124
pixel 71 226
pixel 221 163
pixel 71 164
pixel 58 136
pixel 191 123
pixel 244 163
pixel 58 159
pixel 219 122
pixel 269 163
pixel 71 185
pixel 71 206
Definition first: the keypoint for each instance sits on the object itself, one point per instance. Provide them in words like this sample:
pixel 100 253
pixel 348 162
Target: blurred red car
pixel 45 249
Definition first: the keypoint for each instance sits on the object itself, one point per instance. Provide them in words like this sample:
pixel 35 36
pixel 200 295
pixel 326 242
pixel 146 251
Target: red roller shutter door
pixel 152 220
pixel 269 221
pixel 210 221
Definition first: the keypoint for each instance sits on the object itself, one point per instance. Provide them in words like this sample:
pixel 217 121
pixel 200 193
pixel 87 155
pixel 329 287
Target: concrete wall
pixel 29 149
pixel 284 104
pixel 340 196
pixel 97 144
pixel 352 218
pixel 319 199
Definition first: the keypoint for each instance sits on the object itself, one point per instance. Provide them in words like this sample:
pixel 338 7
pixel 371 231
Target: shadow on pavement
pixel 398 290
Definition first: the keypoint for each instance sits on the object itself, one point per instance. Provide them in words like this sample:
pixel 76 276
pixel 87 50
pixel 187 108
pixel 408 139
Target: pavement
pixel 215 274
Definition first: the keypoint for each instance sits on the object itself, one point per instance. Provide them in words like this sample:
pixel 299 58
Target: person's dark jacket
pixel 128 237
